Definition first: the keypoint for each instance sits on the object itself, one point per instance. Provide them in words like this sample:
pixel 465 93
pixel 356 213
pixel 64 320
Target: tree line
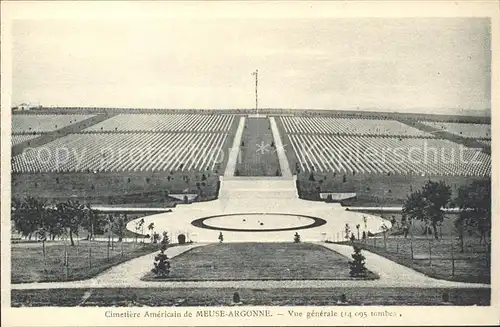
pixel 473 200
pixel 36 217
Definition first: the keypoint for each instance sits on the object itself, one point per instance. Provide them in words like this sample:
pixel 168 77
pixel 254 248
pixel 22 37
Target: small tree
pixel 161 264
pixel 41 234
pixel 393 221
pixel 296 238
pixel 357 266
pixel 151 228
pixel 156 237
pixel 384 229
pixel 475 202
pixel 460 226
pixel 221 237
pixel 119 226
pixel 425 205
pixel 406 230
pixel 140 225
pixel 357 227
pixel 165 240
pixel 347 230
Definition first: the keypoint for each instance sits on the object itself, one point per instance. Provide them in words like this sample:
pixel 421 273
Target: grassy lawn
pixel 259 261
pixel 115 187
pixel 372 189
pixel 28 264
pixel 470 266
pixel 447 228
pixel 222 297
pixel 253 161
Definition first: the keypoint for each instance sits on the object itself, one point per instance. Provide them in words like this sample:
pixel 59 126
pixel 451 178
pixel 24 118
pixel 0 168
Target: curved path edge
pixel 128 274
pixel 393 274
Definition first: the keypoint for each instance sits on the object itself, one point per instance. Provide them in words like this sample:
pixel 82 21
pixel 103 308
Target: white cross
pixel 262 147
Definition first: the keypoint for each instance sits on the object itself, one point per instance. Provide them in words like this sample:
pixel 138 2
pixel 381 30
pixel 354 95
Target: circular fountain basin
pixel 258 222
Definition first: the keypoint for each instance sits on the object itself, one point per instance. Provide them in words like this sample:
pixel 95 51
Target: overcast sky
pixel 406 65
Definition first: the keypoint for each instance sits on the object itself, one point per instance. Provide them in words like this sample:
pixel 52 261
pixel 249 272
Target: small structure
pixel 342 300
pixel 190 197
pixel 181 238
pixel 26 107
pixel 236 299
pixel 336 197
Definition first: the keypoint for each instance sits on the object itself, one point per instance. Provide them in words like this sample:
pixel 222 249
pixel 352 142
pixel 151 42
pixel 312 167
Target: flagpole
pixel 256 73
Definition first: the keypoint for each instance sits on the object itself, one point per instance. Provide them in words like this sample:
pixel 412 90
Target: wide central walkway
pixel 243 197
pixel 256 151
pixel 252 202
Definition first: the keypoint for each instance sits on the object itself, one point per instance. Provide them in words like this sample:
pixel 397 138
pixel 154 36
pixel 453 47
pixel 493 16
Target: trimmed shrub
pixel 357 266
pixel 161 264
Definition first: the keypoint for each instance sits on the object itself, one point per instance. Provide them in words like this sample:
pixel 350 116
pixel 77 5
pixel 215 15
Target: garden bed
pixel 259 261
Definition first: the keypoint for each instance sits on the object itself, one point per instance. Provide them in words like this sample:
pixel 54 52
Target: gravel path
pixel 134 269
pixel 280 150
pixel 128 274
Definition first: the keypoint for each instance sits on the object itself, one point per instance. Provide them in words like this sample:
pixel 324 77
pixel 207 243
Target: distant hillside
pixel 462 116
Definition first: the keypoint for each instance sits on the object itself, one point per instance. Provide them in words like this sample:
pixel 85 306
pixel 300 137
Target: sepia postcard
pixel 249 163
